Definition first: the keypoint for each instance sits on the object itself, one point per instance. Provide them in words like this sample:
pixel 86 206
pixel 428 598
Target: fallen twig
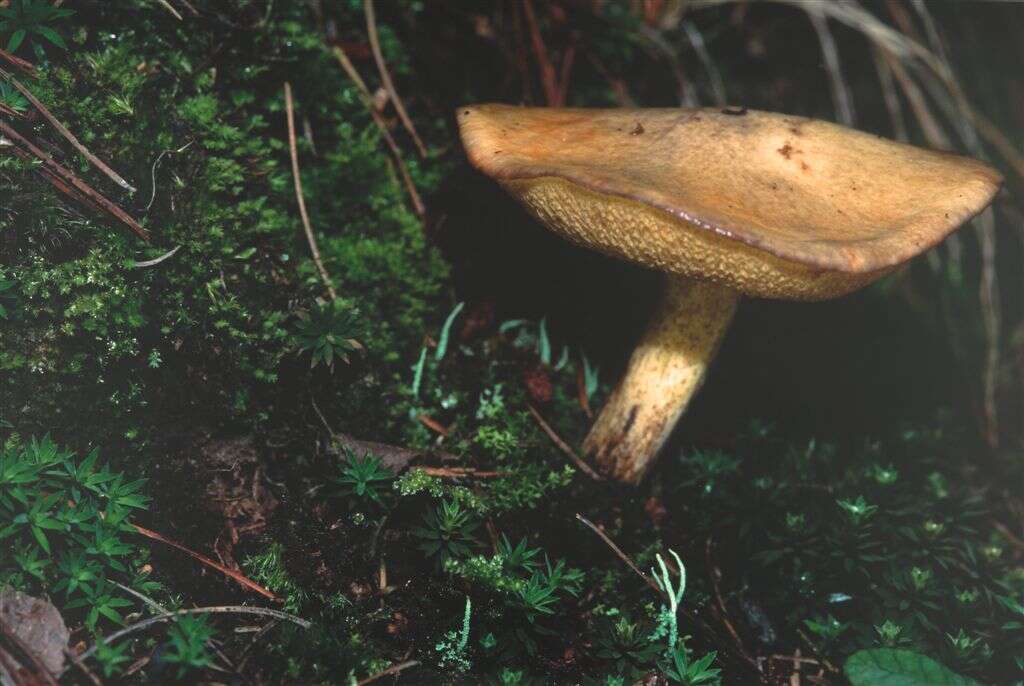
pixel 621 555
pixel 18 63
pixel 385 76
pixel 432 424
pixel 460 472
pixel 66 176
pixel 346 64
pixel 563 446
pixel 220 609
pixel 293 149
pixel 393 669
pixel 237 576
pixel 63 130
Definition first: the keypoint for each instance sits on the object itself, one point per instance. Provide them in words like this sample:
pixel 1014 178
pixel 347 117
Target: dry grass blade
pixel 300 197
pixel 170 8
pixel 385 76
pixel 714 76
pixel 841 99
pixel 63 130
pixel 346 64
pixel 891 97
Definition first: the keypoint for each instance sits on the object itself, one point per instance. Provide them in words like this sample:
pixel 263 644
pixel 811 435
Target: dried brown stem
pixel 385 76
pixel 63 130
pixel 294 152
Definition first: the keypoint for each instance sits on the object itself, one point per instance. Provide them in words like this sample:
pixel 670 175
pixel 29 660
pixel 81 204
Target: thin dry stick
pixel 346 64
pixel 562 445
pixel 237 576
pixel 293 149
pixel 385 76
pixel 97 162
pixel 841 99
pixel 219 609
pixel 58 173
pixel 393 669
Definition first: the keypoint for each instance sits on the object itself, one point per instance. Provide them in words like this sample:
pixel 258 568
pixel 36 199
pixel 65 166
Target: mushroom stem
pixel 665 371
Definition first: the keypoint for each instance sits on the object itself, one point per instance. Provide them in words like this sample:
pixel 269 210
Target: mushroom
pixel 723 202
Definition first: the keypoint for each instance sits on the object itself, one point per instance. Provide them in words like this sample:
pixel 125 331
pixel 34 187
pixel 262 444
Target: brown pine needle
pixel 66 181
pixel 237 576
pixel 562 445
pixel 63 130
pixel 432 424
pixel 18 63
pixel 294 151
pixel 346 64
pixel 385 76
pixel 393 669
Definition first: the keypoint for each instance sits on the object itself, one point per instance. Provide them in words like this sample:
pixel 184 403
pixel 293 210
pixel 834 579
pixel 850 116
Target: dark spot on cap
pixel 803 165
pixel 465 112
pixel 786 150
pixel 734 111
pixel 630 420
pixel 637 130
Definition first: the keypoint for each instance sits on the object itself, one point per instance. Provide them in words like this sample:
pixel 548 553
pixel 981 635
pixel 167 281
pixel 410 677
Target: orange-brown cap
pixel 768 204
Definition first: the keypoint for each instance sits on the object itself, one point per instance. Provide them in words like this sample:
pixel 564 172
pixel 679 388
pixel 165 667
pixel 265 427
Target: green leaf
pixel 15 42
pixel 894 667
pixel 52 36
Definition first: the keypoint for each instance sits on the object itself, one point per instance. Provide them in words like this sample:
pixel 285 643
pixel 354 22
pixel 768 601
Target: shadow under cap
pixel 834 207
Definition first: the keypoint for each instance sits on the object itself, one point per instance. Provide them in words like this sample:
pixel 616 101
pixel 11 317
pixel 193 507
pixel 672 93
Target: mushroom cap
pixel 768 204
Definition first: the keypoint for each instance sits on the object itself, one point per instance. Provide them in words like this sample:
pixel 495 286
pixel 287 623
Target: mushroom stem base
pixel 665 371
